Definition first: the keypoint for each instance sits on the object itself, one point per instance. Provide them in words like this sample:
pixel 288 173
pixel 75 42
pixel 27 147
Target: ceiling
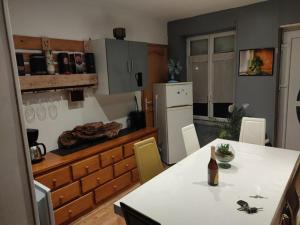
pixel 173 9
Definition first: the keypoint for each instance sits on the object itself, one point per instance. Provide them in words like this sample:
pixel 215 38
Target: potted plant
pixel 224 154
pixel 231 129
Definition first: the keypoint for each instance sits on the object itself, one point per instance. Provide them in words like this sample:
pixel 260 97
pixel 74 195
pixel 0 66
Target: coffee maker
pixel 36 154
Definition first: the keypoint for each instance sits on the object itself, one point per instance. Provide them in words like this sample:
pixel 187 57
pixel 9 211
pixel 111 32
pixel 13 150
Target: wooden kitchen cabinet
pixel 73 209
pixel 83 179
pixel 112 187
pixel 85 167
pixel 96 179
pixel 56 178
pixel 135 175
pixel 65 194
pixel 112 156
pixel 128 149
pixel 124 166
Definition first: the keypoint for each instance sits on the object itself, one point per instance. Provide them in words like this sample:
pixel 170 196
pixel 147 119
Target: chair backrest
pixel 133 217
pixel 190 139
pixel 148 159
pixel 253 130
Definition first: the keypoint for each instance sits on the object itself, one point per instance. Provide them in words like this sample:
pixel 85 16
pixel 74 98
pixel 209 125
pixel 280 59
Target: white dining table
pixel 181 196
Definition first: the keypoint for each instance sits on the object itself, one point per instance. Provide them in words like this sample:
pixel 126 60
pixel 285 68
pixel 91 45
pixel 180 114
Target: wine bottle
pixel 213 169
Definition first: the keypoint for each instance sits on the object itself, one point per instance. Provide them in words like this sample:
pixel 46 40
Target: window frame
pixel 210 69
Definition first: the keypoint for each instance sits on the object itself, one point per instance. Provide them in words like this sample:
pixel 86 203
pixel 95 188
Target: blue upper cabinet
pixel 122 65
pixel 138 53
pixel 118 66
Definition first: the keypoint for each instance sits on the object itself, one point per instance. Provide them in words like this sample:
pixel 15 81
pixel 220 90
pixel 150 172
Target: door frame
pixel 23 148
pixel 210 70
pixel 288 34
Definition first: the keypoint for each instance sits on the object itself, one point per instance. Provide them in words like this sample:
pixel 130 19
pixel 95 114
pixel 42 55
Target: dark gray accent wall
pixel 257 26
pixel 289 11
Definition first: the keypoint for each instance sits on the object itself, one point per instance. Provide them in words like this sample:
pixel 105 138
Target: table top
pixel 180 195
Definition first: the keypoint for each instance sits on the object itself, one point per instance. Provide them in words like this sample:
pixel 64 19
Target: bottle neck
pixel 213 153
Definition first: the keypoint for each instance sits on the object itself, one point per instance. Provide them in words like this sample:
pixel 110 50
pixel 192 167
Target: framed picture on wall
pixel 256 62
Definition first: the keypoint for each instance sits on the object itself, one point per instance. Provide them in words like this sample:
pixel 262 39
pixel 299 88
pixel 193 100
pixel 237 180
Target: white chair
pixel 253 130
pixel 190 139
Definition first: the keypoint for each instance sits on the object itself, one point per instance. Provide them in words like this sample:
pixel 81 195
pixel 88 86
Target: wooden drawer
pixel 112 187
pixel 56 179
pixel 65 194
pixel 135 175
pixel 73 209
pixel 111 156
pixel 95 179
pixel 124 166
pixel 85 167
pixel 128 149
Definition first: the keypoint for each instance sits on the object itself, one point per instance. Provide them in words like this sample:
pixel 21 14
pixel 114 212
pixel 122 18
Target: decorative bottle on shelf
pixel 50 62
pixel 213 169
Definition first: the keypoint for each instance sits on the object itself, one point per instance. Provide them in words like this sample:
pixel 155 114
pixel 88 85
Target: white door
pixel 289 96
pixel 177 118
pixel 293 118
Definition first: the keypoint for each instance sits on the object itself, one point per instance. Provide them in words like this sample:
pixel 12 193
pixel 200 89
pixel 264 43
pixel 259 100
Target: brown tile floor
pixel 104 213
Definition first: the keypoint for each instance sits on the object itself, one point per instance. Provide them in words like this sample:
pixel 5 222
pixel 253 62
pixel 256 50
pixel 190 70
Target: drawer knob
pixel 54 182
pixel 113 157
pixel 115 187
pixel 61 198
pixel 127 165
pixel 70 212
pixel 87 168
pixel 98 179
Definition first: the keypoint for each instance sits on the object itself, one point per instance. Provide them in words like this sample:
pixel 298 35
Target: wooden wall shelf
pixel 48 82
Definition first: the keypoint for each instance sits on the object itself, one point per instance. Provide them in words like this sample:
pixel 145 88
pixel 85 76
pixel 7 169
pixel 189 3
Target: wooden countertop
pixel 53 161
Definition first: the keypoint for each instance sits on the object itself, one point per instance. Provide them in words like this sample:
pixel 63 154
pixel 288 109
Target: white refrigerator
pixel 173 109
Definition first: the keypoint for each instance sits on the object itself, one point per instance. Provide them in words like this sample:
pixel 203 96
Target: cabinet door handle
pixel 128 67
pixel 131 65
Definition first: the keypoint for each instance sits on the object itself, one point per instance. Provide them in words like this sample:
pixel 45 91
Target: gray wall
pixel 257 26
pixel 16 200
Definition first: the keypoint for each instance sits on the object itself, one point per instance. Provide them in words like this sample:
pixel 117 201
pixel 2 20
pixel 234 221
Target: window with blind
pixel 211 68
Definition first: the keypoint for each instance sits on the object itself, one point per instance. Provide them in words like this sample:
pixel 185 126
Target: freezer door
pixel 177 118
pixel 179 94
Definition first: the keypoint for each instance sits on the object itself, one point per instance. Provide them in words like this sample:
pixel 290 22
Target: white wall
pixel 79 20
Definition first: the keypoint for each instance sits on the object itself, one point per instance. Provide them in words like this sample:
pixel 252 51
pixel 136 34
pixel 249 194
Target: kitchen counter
pixel 53 161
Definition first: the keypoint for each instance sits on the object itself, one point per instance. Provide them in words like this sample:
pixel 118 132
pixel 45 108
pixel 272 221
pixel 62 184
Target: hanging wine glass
pixel 41 111
pixel 52 109
pixel 29 113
